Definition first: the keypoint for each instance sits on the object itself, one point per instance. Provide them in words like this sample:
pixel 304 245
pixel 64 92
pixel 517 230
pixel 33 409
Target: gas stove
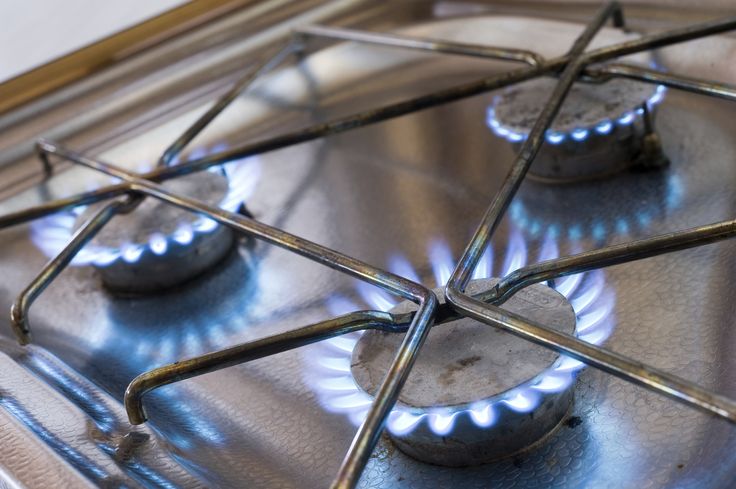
pixel 431 244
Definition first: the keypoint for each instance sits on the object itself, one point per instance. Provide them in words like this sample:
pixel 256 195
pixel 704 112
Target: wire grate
pixel 577 65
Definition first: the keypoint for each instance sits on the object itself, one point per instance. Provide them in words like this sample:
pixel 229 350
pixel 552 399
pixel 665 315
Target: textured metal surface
pixel 393 187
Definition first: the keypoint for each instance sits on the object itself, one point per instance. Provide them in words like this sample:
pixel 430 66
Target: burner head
pixel 157 245
pixel 600 130
pixel 465 363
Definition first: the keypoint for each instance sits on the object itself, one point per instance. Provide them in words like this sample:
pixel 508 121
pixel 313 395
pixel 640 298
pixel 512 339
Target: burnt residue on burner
pixel 475 360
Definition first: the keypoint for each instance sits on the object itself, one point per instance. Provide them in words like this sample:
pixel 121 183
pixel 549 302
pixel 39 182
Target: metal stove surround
pixel 578 63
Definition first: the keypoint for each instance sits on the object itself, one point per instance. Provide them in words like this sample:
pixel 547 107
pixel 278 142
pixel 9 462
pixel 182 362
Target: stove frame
pixel 574 66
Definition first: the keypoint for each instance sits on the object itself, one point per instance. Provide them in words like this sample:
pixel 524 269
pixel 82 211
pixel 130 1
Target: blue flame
pixel 52 233
pixel 440 257
pixel 578 134
pixel 376 297
pixel 329 361
pixel 604 127
pixel 554 137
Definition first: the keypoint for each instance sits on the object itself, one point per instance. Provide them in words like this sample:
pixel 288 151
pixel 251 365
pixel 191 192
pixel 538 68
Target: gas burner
pixel 148 259
pixel 466 366
pixel 600 130
pixel 156 246
pixel 462 405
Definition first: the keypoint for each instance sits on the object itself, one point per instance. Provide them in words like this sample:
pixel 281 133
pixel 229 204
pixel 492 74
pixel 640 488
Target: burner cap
pixel 600 129
pixel 157 245
pixel 465 363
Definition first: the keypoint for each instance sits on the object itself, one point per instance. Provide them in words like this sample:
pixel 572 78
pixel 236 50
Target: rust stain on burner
pixel 469 361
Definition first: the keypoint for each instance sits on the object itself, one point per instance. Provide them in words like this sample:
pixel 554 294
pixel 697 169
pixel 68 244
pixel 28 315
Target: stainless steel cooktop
pixel 397 190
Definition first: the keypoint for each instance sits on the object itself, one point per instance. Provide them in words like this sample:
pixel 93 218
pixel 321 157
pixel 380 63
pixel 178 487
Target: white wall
pixel 36 31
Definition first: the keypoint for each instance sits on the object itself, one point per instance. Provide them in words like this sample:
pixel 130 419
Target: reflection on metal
pixel 368 434
pixel 395 110
pixel 568 68
pixel 666 384
pixel 537 208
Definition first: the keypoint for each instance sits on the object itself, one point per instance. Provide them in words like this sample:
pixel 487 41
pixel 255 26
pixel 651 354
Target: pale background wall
pixel 36 31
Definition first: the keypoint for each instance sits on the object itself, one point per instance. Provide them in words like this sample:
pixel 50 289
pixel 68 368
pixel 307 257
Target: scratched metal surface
pixel 370 193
